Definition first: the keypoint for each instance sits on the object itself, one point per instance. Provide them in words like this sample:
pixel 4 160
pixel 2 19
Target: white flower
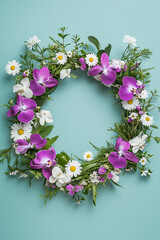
pixel 65 73
pixel 73 168
pixel 139 83
pixel 143 94
pixel 14 173
pixel 146 120
pixel 44 116
pixel 59 177
pixel 88 156
pixel 133 115
pixel 143 160
pixel 115 177
pixel 69 54
pixel 21 131
pixel 91 59
pixel 98 77
pixel 83 183
pixel 23 88
pixel 23 175
pixel 26 73
pixel 117 63
pixel 32 41
pixel 138 142
pixel 131 104
pixel 130 40
pixel 128 169
pixel 12 67
pixel 61 57
pixel 94 179
pixel 117 171
pixel 144 173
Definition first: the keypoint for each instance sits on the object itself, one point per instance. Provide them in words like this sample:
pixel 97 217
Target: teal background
pixel 82 112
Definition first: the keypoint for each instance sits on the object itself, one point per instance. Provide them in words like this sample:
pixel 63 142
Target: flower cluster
pixel 36 158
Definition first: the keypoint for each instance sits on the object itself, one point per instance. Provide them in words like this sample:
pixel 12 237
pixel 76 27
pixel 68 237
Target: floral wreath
pixel 37 76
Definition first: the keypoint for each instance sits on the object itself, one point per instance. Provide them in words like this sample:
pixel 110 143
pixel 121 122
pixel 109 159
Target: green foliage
pixel 44 131
pixel 50 141
pixel 62 158
pixel 95 41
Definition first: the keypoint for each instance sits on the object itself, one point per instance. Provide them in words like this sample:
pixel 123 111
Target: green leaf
pixel 157 139
pixel 108 49
pixel 94 194
pixel 4 151
pixel 44 130
pixel 88 166
pixel 95 41
pixel 50 141
pixel 36 174
pixel 62 158
pixel 154 126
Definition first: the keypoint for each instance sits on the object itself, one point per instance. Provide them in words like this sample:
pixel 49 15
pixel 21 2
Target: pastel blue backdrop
pixel 83 111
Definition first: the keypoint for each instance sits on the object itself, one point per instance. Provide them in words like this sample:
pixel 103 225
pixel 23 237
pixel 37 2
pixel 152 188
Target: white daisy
pixel 130 40
pixel 12 67
pixel 32 41
pixel 65 73
pixel 21 131
pixel 26 73
pixel 131 104
pixel 58 177
pixel 69 54
pixel 94 179
pixel 23 88
pixel 73 168
pixel 143 94
pixel 91 59
pixel 138 142
pixel 133 115
pixel 88 156
pixel 61 58
pixel 146 120
pixel 143 160
pixel 44 117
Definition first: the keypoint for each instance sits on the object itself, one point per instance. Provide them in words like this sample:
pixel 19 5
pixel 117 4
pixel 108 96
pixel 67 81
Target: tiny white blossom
pixel 130 40
pixel 143 160
pixel 32 41
pixel 65 73
pixel 44 116
pixel 138 142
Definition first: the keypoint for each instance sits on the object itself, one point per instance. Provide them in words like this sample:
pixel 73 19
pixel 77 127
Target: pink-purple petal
pixel 13 111
pixel 45 154
pixel 51 82
pixel 125 94
pixel 130 81
pixel 37 140
pixel 104 60
pixel 117 161
pixel 36 88
pixel 118 143
pixel 46 172
pixel 95 70
pixel 131 156
pixel 109 78
pixel 29 103
pixel 36 164
pixel 25 116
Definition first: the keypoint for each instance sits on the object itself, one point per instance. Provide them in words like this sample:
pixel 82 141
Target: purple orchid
pixel 122 147
pixel 25 106
pixel 129 88
pixel 35 140
pixel 42 79
pixel 44 160
pixel 82 61
pixel 108 75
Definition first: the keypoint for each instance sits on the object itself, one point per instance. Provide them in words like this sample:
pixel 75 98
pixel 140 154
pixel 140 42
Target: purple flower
pixel 35 139
pixel 78 188
pixel 129 88
pixel 108 75
pixel 122 147
pixel 25 106
pixel 129 120
pixel 141 112
pixel 82 61
pixel 69 187
pixel 101 179
pixel 102 170
pixel 139 107
pixel 44 159
pixel 71 192
pixel 42 79
pixel 110 176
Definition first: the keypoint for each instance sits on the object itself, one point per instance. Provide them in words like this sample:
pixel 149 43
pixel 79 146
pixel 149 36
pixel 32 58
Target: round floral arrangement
pixel 38 75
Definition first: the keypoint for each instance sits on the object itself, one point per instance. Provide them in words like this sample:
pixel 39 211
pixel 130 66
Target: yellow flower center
pixel 91 59
pixel 142 160
pixel 20 131
pixel 88 155
pixel 147 118
pixel 130 101
pixel 73 168
pixel 13 67
pixel 60 57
